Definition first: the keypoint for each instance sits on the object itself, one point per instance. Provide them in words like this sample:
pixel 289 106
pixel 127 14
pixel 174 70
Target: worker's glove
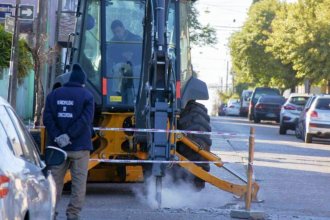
pixel 63 140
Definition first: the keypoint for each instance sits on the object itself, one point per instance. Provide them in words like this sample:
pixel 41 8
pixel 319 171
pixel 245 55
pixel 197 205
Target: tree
pixel 251 61
pixel 42 55
pixel 200 35
pixel 25 62
pixel 5 46
pixel 300 38
pixel 239 87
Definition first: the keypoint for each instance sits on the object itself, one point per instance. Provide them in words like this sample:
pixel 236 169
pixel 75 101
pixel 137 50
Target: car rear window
pixel 323 104
pixel 299 100
pixel 247 95
pixel 272 99
pixel 260 92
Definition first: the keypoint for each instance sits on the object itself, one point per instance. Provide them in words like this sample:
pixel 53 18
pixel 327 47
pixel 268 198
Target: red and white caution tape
pixel 152 130
pixel 217 133
pixel 152 161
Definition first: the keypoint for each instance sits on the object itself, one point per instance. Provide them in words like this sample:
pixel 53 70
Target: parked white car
pixel 291 110
pixel 27 190
pixel 318 119
pixel 233 108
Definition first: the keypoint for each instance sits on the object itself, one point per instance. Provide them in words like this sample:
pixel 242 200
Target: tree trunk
pixel 293 88
pixel 40 58
pixel 39 94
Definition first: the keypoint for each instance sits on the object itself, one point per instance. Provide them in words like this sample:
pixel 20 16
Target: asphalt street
pixel 294 180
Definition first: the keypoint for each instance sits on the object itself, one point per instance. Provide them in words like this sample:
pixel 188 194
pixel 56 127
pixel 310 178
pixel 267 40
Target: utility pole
pixel 12 88
pixel 221 84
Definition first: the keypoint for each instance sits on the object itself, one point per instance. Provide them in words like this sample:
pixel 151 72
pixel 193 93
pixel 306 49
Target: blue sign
pixel 26 12
pixel 5 10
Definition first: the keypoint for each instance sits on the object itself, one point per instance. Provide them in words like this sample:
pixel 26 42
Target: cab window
pixel 124 32
pixel 90 54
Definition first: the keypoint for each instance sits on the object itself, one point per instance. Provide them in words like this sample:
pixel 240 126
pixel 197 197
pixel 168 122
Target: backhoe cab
pixel 137 58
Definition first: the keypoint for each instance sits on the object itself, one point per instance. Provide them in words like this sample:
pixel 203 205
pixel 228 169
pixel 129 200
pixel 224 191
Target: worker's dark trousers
pixel 77 162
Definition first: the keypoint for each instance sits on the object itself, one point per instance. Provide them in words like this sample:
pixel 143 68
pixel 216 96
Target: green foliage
pixel 282 44
pixel 25 62
pixel 225 96
pixel 251 62
pixel 5 46
pixel 300 38
pixel 239 87
pixel 200 35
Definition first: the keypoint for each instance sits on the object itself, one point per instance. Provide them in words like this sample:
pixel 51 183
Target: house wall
pixel 24 103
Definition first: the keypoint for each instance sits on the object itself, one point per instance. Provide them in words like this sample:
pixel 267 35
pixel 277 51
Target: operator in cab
pixel 124 56
pixel 125 48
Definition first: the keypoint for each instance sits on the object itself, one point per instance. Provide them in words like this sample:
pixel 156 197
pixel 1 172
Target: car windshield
pixel 299 100
pixel 323 104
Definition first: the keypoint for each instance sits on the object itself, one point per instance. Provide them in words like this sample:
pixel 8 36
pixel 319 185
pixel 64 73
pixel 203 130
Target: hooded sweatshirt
pixel 70 110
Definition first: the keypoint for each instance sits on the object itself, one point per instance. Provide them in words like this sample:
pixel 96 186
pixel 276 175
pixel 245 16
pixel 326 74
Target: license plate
pixel 271 115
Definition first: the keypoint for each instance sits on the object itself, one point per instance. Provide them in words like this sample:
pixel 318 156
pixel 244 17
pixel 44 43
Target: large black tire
pixel 194 118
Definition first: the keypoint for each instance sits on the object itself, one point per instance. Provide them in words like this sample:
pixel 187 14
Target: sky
pixel 211 63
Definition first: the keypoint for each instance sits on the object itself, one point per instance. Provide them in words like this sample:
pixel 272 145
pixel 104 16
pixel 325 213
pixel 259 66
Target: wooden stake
pixel 250 170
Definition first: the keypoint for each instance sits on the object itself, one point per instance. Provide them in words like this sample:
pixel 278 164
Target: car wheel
pixel 256 120
pixel 308 138
pixel 282 130
pixel 297 132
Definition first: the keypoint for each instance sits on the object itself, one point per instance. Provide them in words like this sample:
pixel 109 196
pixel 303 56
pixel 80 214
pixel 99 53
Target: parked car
pixel 259 91
pixel 27 190
pixel 245 97
pixel 268 107
pixel 233 108
pixel 231 101
pixel 222 109
pixel 318 119
pixel 301 123
pixel 291 110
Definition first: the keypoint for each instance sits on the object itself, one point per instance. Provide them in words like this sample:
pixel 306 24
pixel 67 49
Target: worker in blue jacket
pixel 68 117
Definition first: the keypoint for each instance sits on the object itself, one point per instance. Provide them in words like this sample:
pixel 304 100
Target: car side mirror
pixel 54 156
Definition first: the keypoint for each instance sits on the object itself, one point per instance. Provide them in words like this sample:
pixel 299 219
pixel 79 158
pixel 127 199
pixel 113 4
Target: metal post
pixel 250 170
pixel 247 213
pixel 12 88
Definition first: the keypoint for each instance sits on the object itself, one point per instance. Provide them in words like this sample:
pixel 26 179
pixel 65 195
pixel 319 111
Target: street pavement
pixel 294 180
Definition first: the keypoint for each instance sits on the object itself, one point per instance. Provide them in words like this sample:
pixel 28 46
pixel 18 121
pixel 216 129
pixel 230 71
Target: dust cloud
pixel 178 195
